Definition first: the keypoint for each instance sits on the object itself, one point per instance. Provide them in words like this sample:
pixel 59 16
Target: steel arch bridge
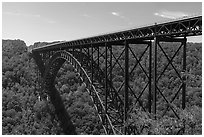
pixel 99 59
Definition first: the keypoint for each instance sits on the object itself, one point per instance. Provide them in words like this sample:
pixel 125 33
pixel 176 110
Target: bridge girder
pixel 177 28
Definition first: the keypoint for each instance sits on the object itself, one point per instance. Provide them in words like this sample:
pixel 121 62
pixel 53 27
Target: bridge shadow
pixel 60 111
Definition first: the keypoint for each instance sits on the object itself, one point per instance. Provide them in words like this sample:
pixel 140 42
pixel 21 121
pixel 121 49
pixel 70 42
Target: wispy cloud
pixel 170 14
pixel 22 14
pixel 86 15
pixel 117 14
pixel 30 16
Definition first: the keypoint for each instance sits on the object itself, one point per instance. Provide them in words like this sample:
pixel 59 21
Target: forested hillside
pixel 24 113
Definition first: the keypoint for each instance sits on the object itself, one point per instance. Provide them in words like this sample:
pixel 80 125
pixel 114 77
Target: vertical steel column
pixel 37 81
pixel 106 82
pixel 92 63
pixel 42 55
pixel 80 50
pixel 155 77
pixel 106 77
pixel 98 60
pixel 150 76
pixel 184 75
pixel 88 55
pixel 72 54
pixel 110 69
pixel 72 49
pixel 126 84
pixel 48 54
pixel 98 55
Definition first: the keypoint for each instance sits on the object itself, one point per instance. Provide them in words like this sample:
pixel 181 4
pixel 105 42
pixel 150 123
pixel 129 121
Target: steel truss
pixel 100 65
pixel 178 28
pixel 123 71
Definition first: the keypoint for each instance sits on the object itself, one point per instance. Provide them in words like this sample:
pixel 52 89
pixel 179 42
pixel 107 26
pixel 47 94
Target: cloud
pixel 30 16
pixel 125 19
pixel 22 14
pixel 12 13
pixel 170 14
pixel 86 15
pixel 117 14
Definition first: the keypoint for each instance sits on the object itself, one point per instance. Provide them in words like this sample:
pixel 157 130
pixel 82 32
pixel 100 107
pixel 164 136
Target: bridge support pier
pixel 126 104
pixel 184 75
pixel 179 72
pixel 150 77
pixel 155 77
pixel 106 83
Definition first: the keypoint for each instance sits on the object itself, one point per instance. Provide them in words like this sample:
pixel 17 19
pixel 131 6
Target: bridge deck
pixel 189 26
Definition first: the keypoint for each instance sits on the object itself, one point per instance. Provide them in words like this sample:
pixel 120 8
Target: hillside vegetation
pixel 24 113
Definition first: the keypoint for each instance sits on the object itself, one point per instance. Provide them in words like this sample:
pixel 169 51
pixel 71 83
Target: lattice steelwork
pixel 179 28
pixel 122 70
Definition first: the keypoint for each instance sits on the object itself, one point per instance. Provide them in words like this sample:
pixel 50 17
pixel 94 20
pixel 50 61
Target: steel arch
pixel 53 66
pixel 114 104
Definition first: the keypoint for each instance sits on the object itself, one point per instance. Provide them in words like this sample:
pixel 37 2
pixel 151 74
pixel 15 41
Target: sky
pixel 59 21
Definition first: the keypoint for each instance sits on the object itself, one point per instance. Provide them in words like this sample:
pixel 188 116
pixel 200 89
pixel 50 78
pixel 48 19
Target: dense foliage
pixel 24 113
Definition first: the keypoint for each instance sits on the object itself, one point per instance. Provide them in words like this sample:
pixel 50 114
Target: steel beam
pixel 39 61
pixel 98 59
pixel 150 77
pixel 126 105
pixel 80 50
pixel 184 27
pixel 184 75
pixel 92 69
pixel 106 83
pixel 155 78
pixel 110 69
pixel 169 39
